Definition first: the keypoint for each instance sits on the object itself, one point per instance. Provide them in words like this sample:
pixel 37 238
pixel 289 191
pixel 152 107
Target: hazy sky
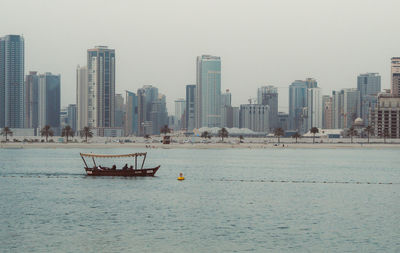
pixel 260 42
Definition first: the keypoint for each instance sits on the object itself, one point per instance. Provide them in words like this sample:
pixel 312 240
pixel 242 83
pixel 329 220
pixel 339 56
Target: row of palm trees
pixel 47 132
pixel 350 132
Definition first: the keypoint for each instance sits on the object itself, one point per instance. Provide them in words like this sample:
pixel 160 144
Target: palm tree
pixel 385 134
pixel 369 130
pixel 6 131
pixel 223 133
pixel 352 132
pixel 205 135
pixel 314 130
pixel 46 131
pixel 67 132
pixel 165 129
pixel 296 135
pixel 278 133
pixel 87 133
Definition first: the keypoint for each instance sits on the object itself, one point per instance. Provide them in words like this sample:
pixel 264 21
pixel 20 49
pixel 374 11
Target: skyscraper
pixel 226 109
pixel 190 106
pixel 131 115
pixel 71 109
pixel 49 101
pixel 395 77
pixel 12 57
pixel 119 110
pixel 101 87
pixel 369 85
pixel 297 102
pixel 345 107
pixel 268 95
pixel 208 91
pixel 327 112
pixel 31 100
pixel 180 106
pixel 314 108
pixel 82 97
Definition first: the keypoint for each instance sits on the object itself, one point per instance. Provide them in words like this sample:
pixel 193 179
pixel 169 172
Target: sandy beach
pixel 21 145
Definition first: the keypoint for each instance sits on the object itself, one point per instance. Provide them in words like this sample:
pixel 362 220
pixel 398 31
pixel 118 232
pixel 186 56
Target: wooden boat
pixel 98 170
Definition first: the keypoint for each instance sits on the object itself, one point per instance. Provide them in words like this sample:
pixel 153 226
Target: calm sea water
pixel 233 200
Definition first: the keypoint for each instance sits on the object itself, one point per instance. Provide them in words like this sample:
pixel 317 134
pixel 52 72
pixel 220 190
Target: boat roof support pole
pixel 84 161
pixel 135 162
pixel 144 159
pixel 94 162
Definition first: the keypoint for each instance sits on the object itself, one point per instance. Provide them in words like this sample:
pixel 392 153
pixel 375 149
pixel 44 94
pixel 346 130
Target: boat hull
pixel 122 173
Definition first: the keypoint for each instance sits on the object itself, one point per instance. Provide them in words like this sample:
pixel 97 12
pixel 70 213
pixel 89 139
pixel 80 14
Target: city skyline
pixel 162 53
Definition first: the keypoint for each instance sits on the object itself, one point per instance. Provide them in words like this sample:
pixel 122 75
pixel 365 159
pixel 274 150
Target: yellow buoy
pixel 181 177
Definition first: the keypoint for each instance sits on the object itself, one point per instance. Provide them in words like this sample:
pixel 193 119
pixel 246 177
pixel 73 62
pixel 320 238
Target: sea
pixel 232 200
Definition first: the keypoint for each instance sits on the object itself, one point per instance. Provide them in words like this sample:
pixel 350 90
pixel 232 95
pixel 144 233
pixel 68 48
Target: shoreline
pixel 18 145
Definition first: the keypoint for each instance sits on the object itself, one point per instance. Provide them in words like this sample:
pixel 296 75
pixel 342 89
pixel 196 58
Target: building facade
pixel 71 110
pixel 180 107
pixel 268 95
pixel 385 117
pixel 12 62
pixel 395 77
pixel 101 87
pixel 131 115
pixel 82 97
pixel 49 100
pixel 254 117
pixel 31 100
pixel 119 110
pixel 345 107
pixel 369 85
pixel 297 103
pixel 314 108
pixel 190 106
pixel 208 91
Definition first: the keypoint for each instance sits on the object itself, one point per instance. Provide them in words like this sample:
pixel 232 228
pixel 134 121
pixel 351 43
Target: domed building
pixel 358 122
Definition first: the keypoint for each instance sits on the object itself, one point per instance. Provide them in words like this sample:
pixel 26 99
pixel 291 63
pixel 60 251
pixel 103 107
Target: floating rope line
pixel 298 181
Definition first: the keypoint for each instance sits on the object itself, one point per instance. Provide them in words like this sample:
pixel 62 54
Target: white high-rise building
pixel 314 108
pixel 208 91
pixel 101 87
pixel 395 77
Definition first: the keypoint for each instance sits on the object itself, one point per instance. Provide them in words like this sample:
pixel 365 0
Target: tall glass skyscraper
pixel 369 85
pixel 49 100
pixel 131 116
pixel 101 87
pixel 190 106
pixel 12 57
pixel 208 91
pixel 297 103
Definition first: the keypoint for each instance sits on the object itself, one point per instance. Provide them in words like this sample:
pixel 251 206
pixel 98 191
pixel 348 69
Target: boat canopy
pixel 113 156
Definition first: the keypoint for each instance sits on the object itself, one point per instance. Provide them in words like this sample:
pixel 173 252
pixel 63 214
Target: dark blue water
pixel 233 200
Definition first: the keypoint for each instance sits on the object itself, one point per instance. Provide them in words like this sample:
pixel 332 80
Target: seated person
pixel 125 166
pixel 114 167
pixel 131 168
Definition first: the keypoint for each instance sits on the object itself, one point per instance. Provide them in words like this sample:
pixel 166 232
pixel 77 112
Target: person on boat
pixel 114 167
pixel 99 167
pixel 125 166
pixel 131 167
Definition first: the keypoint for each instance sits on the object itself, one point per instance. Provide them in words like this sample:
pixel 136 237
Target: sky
pixel 259 42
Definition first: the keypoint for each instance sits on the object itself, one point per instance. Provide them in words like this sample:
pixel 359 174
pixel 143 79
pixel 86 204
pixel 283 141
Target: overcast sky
pixel 259 42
